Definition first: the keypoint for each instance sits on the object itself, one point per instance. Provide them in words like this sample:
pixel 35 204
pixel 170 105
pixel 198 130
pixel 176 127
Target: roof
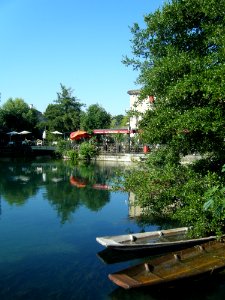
pixel 106 131
pixel 133 92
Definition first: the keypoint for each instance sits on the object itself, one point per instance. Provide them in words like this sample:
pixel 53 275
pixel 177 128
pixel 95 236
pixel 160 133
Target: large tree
pixel 16 114
pixel 181 58
pixel 95 117
pixel 64 114
pixel 119 121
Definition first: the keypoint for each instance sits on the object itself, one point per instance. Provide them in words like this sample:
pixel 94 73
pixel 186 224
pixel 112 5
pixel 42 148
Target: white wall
pixel 140 106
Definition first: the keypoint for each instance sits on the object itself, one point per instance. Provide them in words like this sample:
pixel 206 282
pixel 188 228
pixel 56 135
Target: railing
pixel 110 149
pixel 115 149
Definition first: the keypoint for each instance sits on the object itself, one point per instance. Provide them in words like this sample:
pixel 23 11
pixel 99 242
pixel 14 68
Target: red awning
pixel 108 131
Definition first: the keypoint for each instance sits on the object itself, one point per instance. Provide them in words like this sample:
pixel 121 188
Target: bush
pixel 73 155
pixel 62 147
pixel 87 151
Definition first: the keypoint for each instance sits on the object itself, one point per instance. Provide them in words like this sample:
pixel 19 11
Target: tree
pixel 181 58
pixel 95 117
pixel 17 115
pixel 64 115
pixel 184 66
pixel 116 121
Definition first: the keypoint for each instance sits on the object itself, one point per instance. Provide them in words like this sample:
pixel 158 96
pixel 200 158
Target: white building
pixel 138 107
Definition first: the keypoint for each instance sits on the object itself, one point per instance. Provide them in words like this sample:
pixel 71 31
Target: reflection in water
pixel 23 179
pixel 134 209
pixel 77 182
pixel 48 230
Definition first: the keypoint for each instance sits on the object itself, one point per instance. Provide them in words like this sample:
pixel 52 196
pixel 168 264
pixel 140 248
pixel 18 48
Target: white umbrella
pixel 24 132
pixel 44 134
pixel 56 132
pixel 12 133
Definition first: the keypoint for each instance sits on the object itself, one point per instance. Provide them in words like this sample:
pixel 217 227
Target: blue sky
pixel 79 43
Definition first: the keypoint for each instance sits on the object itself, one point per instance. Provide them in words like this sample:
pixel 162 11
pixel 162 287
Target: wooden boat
pixel 193 262
pixel 166 239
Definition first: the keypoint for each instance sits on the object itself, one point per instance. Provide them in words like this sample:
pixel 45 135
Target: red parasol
pixel 76 135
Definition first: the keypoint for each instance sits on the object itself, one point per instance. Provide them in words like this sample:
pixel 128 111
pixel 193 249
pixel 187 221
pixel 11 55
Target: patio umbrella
pixel 24 132
pixel 56 132
pixel 11 133
pixel 79 134
pixel 44 135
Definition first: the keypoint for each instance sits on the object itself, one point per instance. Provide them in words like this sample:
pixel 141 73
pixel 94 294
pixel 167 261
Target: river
pixel 50 215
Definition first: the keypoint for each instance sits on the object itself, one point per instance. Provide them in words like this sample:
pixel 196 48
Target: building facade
pixel 138 107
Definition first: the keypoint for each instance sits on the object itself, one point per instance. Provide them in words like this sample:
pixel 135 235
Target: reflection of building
pixel 134 210
pixel 138 107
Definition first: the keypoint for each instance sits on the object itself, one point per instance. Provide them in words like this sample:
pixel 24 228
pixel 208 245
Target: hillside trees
pixel 181 59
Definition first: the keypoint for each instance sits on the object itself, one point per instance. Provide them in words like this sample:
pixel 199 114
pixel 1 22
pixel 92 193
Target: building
pixel 138 107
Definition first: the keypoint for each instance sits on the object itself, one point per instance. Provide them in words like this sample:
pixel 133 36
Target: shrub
pixel 87 151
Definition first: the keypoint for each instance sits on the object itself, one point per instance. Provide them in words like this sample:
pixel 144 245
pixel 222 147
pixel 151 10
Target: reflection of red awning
pixel 77 182
pixel 107 131
pixel 101 187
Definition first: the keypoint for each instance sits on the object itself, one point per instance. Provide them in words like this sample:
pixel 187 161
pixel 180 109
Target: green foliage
pixel 178 193
pixel 181 58
pixel 16 115
pixel 87 151
pixel 62 147
pixel 215 202
pixel 117 121
pixel 72 154
pixel 95 117
pixel 64 115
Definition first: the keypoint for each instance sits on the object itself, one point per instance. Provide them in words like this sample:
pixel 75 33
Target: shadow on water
pixel 111 256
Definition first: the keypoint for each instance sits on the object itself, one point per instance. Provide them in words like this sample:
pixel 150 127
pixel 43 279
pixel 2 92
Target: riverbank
pixel 123 157
pixel 32 151
pixel 26 151
pixel 132 157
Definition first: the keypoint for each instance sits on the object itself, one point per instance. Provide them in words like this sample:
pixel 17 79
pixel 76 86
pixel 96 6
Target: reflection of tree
pixel 18 195
pixel 95 173
pixel 63 199
pixel 68 195
pixel 94 199
pixel 86 172
pixel 19 181
pixel 17 184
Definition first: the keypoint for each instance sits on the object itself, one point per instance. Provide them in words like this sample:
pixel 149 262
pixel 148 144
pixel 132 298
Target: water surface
pixel 51 213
